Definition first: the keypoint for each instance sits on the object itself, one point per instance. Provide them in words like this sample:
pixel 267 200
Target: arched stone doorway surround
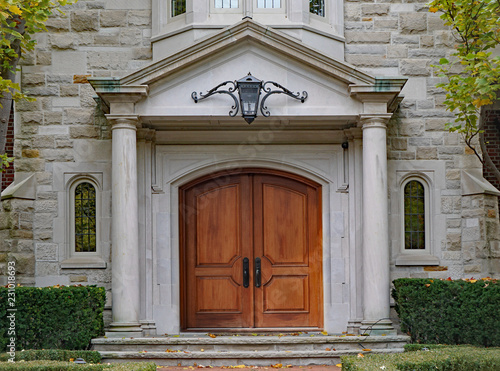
pixel 317 163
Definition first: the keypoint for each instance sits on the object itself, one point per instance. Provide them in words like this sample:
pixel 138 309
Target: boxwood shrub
pixel 449 312
pixel 68 366
pixel 456 358
pixel 58 317
pixel 90 356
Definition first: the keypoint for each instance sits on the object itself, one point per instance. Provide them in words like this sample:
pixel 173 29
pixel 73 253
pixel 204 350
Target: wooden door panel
pixel 275 217
pixel 218 226
pixel 216 240
pixel 284 223
pixel 217 294
pixel 286 294
pixel 288 241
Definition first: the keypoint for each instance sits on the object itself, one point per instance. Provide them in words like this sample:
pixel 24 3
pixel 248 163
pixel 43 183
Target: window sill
pixel 80 262
pixel 416 259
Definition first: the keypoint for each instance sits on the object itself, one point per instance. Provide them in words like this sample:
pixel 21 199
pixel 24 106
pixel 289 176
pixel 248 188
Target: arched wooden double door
pixel 251 252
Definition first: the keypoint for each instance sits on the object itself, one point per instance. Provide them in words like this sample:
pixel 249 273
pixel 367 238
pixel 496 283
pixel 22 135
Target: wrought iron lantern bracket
pixel 250 98
pixel 234 109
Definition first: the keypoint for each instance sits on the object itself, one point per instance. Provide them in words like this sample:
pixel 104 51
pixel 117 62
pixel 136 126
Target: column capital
pixel 123 121
pixel 371 120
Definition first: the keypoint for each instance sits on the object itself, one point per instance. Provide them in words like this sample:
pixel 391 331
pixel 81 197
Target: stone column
pixel 125 248
pixel 376 270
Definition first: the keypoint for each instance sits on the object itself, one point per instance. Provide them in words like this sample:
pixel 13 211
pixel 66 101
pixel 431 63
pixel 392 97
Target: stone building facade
pixel 113 82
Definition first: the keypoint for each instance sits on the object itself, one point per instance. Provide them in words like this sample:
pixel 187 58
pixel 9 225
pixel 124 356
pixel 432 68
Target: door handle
pixel 246 275
pixel 257 272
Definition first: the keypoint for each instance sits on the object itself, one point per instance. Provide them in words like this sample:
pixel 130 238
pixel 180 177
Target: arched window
pixel 414 216
pixel 317 7
pixel 85 218
pixel 85 242
pixel 415 219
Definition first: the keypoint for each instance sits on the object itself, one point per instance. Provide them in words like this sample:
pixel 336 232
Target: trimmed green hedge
pixel 59 317
pixel 454 358
pixel 90 356
pixel 68 366
pixel 449 312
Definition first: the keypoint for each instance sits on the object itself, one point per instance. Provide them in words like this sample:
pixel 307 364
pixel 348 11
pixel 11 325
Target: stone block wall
pixel 16 239
pixel 110 38
pixel 63 126
pixel 402 38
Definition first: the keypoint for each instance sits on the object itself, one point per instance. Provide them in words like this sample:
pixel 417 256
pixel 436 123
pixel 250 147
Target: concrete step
pixel 222 358
pixel 186 350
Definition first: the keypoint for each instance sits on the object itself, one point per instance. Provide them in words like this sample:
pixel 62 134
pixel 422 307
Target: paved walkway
pixel 270 368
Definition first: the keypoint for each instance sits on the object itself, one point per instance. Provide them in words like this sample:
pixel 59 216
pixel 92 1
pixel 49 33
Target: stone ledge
pixel 84 262
pixel 414 259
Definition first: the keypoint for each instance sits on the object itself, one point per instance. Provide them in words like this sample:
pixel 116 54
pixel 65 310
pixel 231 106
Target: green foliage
pixel 48 366
pixel 444 358
pixel 19 20
pixel 67 366
pixel 65 317
pixel 140 366
pixel 473 74
pixel 90 356
pixel 5 162
pixel 449 312
pixel 414 347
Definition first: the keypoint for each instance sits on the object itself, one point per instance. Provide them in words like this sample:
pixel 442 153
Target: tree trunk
pixel 9 74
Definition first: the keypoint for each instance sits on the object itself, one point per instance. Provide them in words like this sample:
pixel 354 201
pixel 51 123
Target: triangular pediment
pixel 335 89
pixel 244 32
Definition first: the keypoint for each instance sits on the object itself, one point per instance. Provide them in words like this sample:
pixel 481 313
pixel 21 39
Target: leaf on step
pixel 328 349
pixel 339 365
pixel 277 365
pixel 324 333
pixel 367 350
pixel 212 336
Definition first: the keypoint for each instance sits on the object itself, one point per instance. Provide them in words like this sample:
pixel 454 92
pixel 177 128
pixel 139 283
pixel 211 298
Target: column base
pixel 124 330
pixel 148 328
pixel 377 328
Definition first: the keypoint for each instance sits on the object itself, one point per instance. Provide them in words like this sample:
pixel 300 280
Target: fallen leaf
pixel 367 350
pixel 360 355
pixel 277 365
pixel 339 365
pixel 328 349
pixel 427 284
pixel 212 336
pixel 202 350
pixel 324 333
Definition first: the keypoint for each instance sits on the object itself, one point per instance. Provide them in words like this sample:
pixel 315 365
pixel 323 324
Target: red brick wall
pixel 8 176
pixel 492 138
